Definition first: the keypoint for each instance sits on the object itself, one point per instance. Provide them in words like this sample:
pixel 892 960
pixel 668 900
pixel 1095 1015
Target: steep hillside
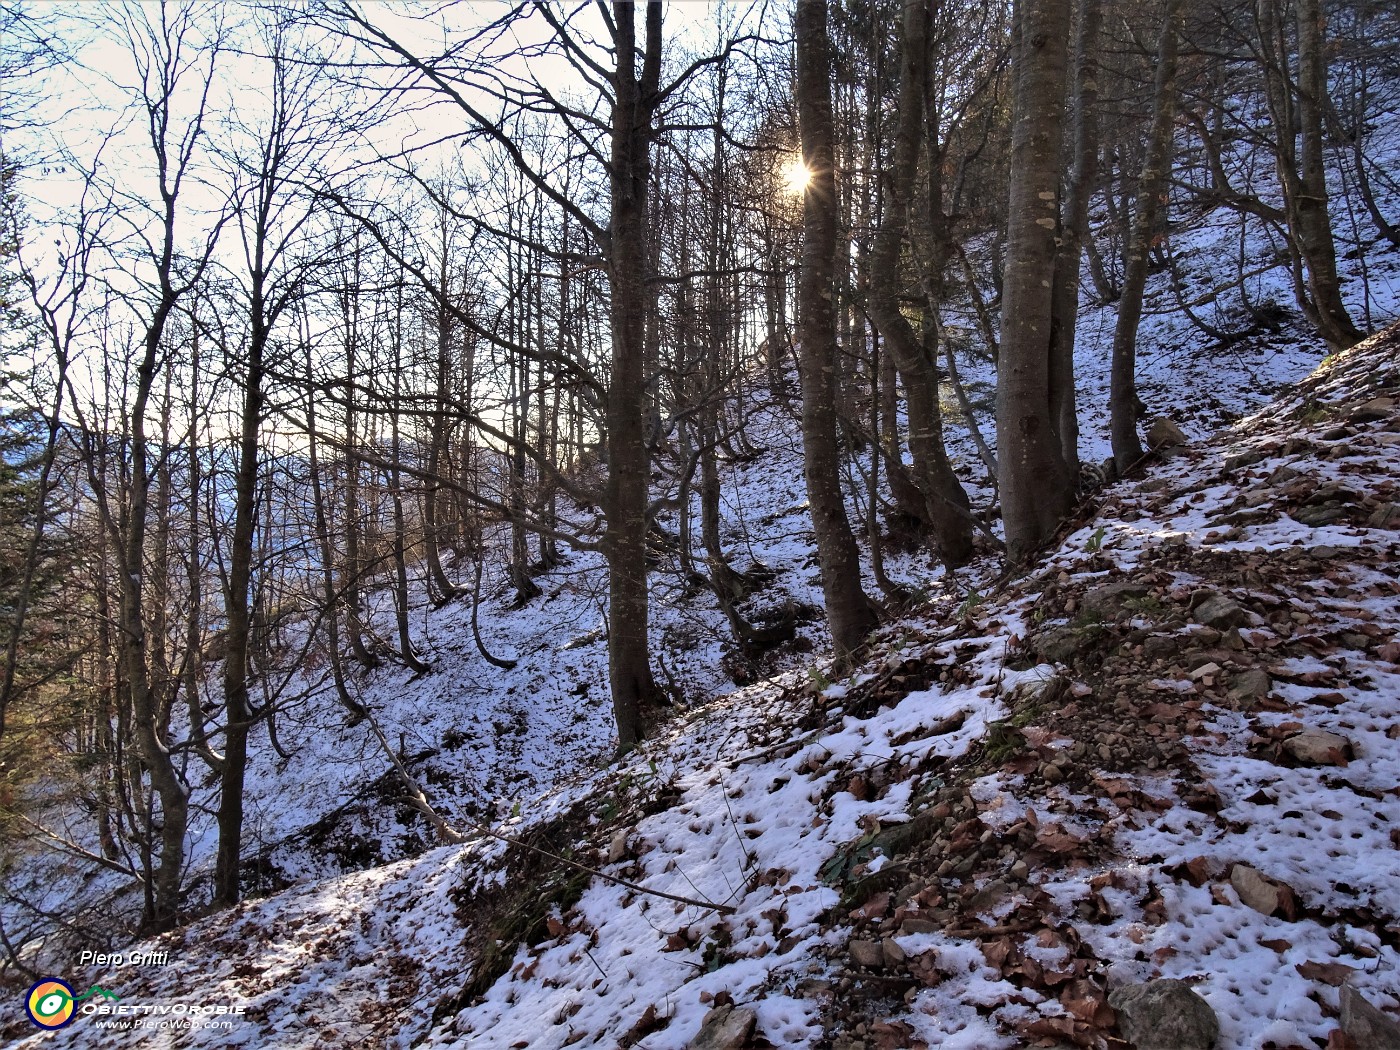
pixel 1169 753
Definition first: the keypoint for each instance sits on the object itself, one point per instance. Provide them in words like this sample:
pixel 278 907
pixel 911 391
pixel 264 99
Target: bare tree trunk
pixel 850 615
pixel 1036 486
pixel 946 507
pixel 634 690
pixel 437 439
pixel 1075 227
pixel 1314 226
pixel 1151 197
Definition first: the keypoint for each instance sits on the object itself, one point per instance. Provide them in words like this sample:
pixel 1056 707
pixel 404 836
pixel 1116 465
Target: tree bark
pixel 1036 486
pixel 850 615
pixel 946 505
pixel 1075 229
pixel 1153 189
pixel 1311 219
pixel 634 690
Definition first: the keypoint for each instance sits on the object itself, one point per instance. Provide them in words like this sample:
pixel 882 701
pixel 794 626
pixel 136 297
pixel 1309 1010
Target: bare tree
pixel 850 615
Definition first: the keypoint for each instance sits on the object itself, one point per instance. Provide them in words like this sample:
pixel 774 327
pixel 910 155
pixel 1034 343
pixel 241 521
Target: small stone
pixel 1207 670
pixel 894 955
pixel 1317 747
pixel 1369 1027
pixel 1218 611
pixel 1163 433
pixel 1253 684
pixel 1020 870
pixel 1254 889
pixel 1053 774
pixel 868 954
pixel 725 1028
pixel 1283 476
pixel 914 924
pixel 1165 1015
pixel 617 849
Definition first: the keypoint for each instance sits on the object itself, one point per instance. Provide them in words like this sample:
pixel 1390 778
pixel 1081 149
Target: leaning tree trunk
pixel 1075 231
pixel 1151 195
pixel 634 690
pixel 850 616
pixel 1309 206
pixel 946 505
pixel 1036 486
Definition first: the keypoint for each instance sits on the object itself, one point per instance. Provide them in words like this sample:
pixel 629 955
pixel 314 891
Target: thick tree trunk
pixel 1036 486
pixel 634 691
pixel 850 616
pixel 1153 188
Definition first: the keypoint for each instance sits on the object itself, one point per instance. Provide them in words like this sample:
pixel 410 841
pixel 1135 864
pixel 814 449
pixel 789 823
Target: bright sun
pixel 796 176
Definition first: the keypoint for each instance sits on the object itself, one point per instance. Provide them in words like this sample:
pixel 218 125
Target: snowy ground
pixel 783 800
pixel 1050 851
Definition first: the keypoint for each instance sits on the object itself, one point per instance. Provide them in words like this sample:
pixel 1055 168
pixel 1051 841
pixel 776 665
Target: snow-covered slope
pixel 1017 803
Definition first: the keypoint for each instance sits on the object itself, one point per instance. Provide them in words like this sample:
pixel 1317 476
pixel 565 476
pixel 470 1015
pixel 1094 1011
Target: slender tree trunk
pixel 1153 189
pixel 438 438
pixel 1075 227
pixel 946 506
pixel 850 615
pixel 238 613
pixel 1314 225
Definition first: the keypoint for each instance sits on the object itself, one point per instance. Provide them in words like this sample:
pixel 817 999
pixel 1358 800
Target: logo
pixel 51 1002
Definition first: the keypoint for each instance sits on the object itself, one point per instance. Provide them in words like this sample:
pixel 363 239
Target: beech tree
pixel 850 615
pixel 1036 484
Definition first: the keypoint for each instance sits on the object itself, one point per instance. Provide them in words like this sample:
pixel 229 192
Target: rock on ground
pixel 1165 1015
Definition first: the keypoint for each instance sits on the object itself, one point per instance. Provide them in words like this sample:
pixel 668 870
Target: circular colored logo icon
pixel 50 1003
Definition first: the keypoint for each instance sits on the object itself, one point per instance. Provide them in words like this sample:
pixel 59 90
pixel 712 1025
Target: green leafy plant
pixel 971 603
pixel 1003 741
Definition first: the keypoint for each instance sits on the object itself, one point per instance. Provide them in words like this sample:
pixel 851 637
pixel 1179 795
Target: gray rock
pixel 1374 410
pixel 1321 514
pixel 1370 1027
pixel 868 954
pixel 1220 612
pixel 725 1028
pixel 1059 644
pixel 1163 433
pixel 1253 684
pixel 1385 516
pixel 1165 1015
pixel 1255 891
pixel 1111 601
pixel 1317 747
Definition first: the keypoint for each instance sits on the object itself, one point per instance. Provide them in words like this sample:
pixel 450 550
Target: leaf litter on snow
pixel 1000 816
